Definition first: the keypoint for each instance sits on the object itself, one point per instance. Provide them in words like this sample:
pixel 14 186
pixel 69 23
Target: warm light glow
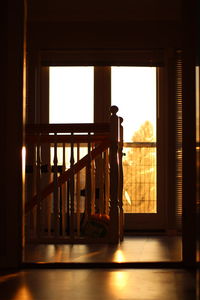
pixel 127 197
pixel 119 256
pixel 197 106
pixel 23 163
pixel 117 282
pixel 5 278
pixel 23 192
pixel 23 293
pixel 120 279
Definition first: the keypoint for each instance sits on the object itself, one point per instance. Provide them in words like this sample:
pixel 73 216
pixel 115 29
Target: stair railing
pixel 64 189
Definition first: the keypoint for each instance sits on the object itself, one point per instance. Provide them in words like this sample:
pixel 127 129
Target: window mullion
pixel 102 93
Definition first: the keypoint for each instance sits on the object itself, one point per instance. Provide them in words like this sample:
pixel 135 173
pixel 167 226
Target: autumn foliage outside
pixel 139 166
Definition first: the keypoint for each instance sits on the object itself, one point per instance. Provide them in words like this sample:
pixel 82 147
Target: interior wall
pixel 11 135
pixel 104 10
pixel 112 24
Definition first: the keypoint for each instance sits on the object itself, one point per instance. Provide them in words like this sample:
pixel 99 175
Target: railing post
pixel 88 181
pixel 78 195
pixel 93 184
pixel 121 181
pixel 71 191
pixel 55 192
pixel 38 187
pixel 106 182
pixel 114 175
pixel 64 195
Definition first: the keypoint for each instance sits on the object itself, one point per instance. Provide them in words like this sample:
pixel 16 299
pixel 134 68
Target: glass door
pixel 134 91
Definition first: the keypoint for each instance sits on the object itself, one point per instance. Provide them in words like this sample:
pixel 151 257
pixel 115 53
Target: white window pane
pixel 134 92
pixel 71 94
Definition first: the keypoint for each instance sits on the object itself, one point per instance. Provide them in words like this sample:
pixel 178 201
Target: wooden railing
pixel 74 182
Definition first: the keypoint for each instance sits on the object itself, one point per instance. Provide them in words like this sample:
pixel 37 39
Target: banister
pixel 67 139
pixel 103 170
pixel 68 128
pixel 66 175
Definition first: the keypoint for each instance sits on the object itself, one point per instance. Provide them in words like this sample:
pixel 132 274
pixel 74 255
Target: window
pixel 134 92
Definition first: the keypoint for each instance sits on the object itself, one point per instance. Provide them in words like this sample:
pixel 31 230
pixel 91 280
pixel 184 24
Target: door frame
pixel 102 102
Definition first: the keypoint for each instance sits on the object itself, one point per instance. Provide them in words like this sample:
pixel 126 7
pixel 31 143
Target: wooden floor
pixel 103 283
pixel 132 249
pixel 98 284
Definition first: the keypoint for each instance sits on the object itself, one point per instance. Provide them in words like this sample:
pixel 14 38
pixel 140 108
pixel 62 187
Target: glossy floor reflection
pixel 132 249
pixel 99 284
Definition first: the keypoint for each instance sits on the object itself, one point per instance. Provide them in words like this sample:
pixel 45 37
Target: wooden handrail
pixel 67 139
pixel 68 128
pixel 66 175
pixel 140 144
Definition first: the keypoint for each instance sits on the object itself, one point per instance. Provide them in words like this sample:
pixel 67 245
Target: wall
pixel 11 135
pixel 87 25
pixel 112 24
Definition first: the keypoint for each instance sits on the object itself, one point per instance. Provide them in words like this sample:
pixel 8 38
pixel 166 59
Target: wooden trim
pixel 189 133
pixel 170 144
pixel 99 57
pixel 44 95
pixel 102 94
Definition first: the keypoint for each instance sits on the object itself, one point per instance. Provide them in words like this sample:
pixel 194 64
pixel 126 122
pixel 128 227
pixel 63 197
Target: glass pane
pixel 71 94
pixel 71 100
pixel 134 92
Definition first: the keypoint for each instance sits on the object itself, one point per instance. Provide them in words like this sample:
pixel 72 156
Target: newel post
pixel 114 175
pixel 121 183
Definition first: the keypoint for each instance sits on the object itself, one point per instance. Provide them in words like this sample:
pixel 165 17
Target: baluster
pixel 55 192
pixel 68 208
pixel 64 194
pixel 48 178
pixel 33 213
pixel 78 193
pixel 101 185
pixel 71 186
pixel 38 187
pixel 49 206
pixel 114 175
pixel 31 186
pixel 44 180
pixel 88 180
pixel 93 185
pixel 107 181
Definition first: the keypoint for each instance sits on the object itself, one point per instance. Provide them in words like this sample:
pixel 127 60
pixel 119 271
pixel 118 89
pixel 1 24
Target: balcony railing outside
pixel 140 177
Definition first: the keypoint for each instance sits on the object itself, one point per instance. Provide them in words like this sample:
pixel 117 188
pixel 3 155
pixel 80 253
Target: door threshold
pixel 104 265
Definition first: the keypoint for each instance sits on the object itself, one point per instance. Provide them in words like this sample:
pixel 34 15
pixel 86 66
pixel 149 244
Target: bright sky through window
pixel 134 92
pixel 71 94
